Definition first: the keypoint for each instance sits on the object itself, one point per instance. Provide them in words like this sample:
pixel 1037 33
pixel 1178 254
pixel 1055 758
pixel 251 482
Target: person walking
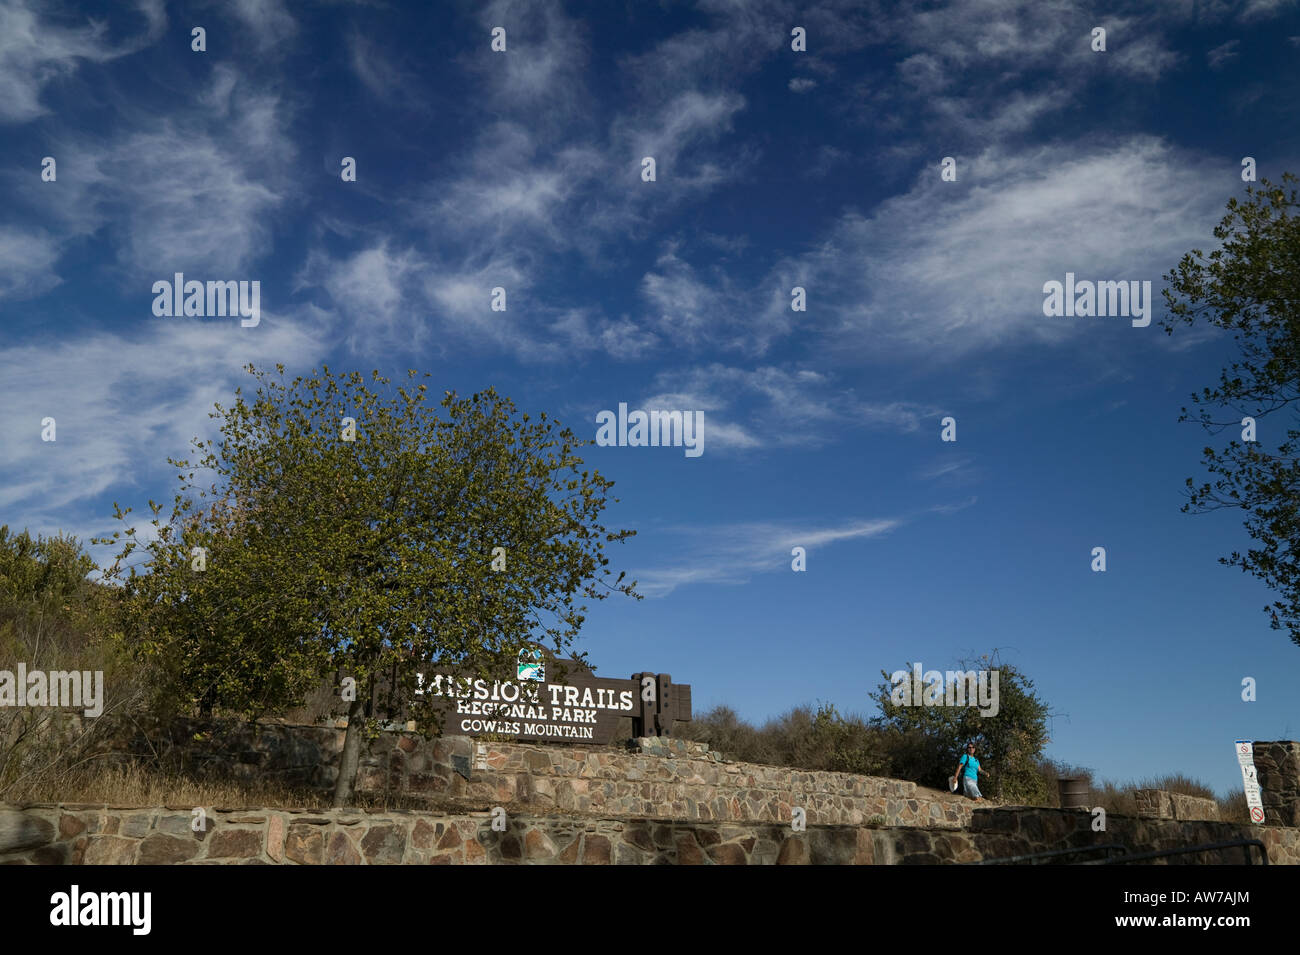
pixel 971 768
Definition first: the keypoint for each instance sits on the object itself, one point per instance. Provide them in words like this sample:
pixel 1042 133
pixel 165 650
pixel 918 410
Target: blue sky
pixel 820 169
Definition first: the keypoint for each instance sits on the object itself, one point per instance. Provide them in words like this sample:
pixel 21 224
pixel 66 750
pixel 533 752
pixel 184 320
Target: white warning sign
pixel 1249 778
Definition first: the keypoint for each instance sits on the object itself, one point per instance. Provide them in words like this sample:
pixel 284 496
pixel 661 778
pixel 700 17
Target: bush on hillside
pixel 52 617
pixel 804 738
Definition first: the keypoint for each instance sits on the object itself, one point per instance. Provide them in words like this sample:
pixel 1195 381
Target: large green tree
pixel 1250 286
pixel 350 527
pixel 930 738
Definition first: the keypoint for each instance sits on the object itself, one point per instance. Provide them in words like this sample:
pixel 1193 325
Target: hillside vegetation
pixel 820 739
pixel 53 617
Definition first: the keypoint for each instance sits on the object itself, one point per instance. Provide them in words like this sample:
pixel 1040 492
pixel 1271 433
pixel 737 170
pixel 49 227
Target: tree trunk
pixel 350 758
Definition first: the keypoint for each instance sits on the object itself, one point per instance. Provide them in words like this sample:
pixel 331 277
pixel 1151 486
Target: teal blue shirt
pixel 972 766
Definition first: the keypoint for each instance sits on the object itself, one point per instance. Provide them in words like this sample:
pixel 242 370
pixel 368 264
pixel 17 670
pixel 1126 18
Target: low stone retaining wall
pixel 685 787
pixel 666 778
pixel 103 835
pixel 1158 804
pixel 1006 831
pixel 90 835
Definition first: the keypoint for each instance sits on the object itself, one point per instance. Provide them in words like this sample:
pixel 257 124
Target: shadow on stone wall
pixel 104 835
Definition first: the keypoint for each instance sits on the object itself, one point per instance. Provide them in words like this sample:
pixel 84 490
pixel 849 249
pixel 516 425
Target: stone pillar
pixel 1278 768
pixel 1153 804
pixel 1157 804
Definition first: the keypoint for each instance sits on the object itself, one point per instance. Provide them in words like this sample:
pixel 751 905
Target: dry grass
pixel 135 785
pixel 138 785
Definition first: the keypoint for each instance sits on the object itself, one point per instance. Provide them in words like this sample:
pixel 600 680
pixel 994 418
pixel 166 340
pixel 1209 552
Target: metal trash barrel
pixel 1074 792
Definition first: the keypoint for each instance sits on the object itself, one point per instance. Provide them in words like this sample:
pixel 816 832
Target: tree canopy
pixel 350 527
pixel 1250 286
pixel 1010 741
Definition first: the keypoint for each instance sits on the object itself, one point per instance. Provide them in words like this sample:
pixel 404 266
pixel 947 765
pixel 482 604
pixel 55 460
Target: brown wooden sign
pixel 558 702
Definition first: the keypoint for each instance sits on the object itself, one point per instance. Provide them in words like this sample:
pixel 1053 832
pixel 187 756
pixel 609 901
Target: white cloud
pixel 1138 49
pixel 690 119
pixel 371 291
pixel 26 263
pixel 980 71
pixel 1015 33
pixel 504 189
pixel 997 118
pixel 958 468
pixel 802 84
pixel 123 404
pixel 946 268
pixel 375 66
pixel 189 206
pixel 551 173
pixel 826 158
pixel 684 307
pixel 1255 10
pixel 267 21
pixel 1221 56
pixel 191 192
pixel 584 332
pixel 35 52
pixel 772 407
pixel 734 553
pixel 1002 40
pixel 543 73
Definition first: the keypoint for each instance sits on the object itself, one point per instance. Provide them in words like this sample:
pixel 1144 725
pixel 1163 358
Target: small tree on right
pixel 926 741
pixel 1250 286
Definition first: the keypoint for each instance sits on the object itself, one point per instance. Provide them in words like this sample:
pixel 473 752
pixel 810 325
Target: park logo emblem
pixel 531 666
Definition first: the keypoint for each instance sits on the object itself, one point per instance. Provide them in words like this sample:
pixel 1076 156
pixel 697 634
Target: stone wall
pixel 655 800
pixel 1009 831
pixel 1158 804
pixel 89 835
pixel 658 777
pixel 689 784
pixel 1278 767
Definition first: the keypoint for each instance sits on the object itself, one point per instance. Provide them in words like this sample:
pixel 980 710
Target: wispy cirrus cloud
pixel 27 261
pixel 138 398
pixel 735 553
pixel 683 305
pixel 951 469
pixel 1259 10
pixel 35 51
pixel 384 71
pixel 1222 55
pixel 268 22
pixel 196 190
pixel 371 292
pixel 770 407
pixel 965 266
pixel 546 63
pixel 988 72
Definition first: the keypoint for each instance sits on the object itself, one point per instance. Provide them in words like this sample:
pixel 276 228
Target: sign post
pixel 1250 779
